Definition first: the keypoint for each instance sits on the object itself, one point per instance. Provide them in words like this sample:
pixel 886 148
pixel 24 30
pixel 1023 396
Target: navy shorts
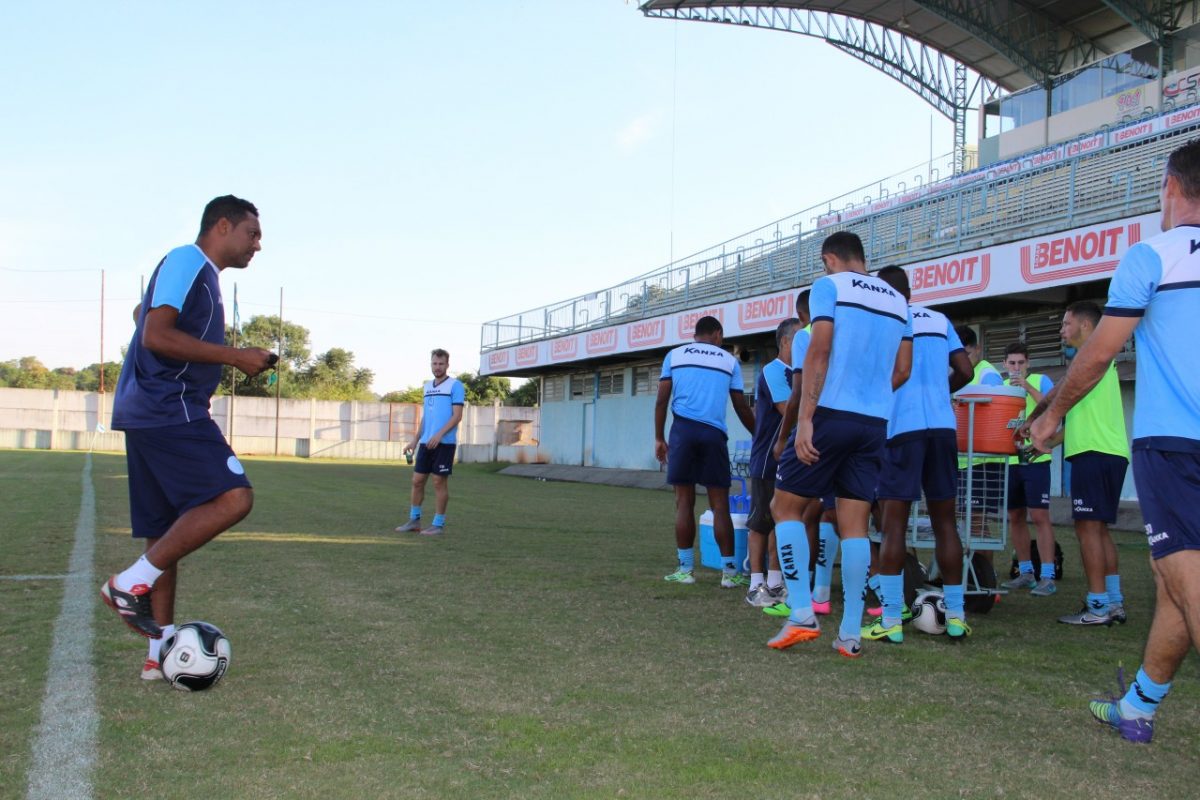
pixel 1168 487
pixel 439 460
pixel 828 502
pixel 1029 485
pixel 1096 480
pixel 987 486
pixel 926 462
pixel 697 454
pixel 851 448
pixel 761 492
pixel 175 468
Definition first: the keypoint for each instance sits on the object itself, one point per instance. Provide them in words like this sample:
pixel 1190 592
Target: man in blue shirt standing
pixel 697 381
pixel 435 443
pixel 922 455
pixel 859 353
pixel 1154 294
pixel 185 484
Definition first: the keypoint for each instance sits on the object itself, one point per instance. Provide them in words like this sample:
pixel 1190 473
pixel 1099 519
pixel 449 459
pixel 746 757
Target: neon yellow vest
pixel 1036 380
pixel 1097 422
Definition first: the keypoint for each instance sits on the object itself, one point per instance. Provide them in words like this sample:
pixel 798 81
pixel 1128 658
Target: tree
pixel 482 390
pixel 333 376
pixel 263 331
pixel 413 394
pixel 526 394
pixel 28 373
pixel 88 378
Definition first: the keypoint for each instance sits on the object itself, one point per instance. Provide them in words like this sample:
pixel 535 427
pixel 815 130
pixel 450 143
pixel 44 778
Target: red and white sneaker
pixel 152 670
pixel 133 607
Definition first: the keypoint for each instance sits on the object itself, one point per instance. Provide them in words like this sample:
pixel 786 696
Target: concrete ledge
pixel 629 478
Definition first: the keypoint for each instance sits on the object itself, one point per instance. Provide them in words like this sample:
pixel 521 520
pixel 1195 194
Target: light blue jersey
pixel 800 346
pixel 922 403
pixel 870 319
pixel 1159 281
pixel 440 400
pixel 702 376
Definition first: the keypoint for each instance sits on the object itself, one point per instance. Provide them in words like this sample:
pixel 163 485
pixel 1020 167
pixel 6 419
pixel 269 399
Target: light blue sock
pixel 1097 602
pixel 728 565
pixel 856 561
pixel 414 512
pixel 687 559
pixel 953 596
pixel 1047 570
pixel 792 542
pixel 1112 585
pixel 893 598
pixel 439 520
pixel 827 545
pixel 1026 567
pixel 1144 695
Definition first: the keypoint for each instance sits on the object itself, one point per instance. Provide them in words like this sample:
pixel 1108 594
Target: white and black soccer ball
pixel 195 656
pixel 929 612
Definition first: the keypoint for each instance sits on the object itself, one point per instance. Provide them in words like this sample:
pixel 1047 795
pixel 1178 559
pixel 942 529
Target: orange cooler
pixel 992 434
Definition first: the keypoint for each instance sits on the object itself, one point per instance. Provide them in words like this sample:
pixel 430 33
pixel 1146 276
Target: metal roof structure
pixel 956 53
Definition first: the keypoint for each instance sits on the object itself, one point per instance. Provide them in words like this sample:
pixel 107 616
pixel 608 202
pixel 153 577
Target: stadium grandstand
pixel 1080 103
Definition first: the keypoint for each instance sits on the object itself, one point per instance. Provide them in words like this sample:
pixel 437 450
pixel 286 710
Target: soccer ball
pixel 195 656
pixel 929 613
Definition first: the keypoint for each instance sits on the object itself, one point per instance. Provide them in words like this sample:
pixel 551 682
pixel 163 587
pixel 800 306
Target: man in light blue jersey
pixel 771 396
pixel 697 381
pixel 1155 294
pixel 860 351
pixel 186 486
pixel 922 454
pixel 1029 486
pixel 435 443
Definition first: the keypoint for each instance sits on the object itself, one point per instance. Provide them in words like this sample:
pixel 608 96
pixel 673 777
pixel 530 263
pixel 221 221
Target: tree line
pixel 331 375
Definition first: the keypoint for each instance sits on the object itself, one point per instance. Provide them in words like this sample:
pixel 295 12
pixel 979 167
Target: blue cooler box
pixel 710 555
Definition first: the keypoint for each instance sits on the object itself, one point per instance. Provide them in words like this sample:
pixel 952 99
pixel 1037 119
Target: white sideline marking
pixel 65 748
pixel 33 577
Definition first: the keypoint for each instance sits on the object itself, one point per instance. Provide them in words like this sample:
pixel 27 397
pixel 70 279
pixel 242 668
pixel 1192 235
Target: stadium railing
pixel 1092 187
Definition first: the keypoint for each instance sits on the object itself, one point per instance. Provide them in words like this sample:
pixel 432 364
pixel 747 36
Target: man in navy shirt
pixel 185 484
pixel 770 400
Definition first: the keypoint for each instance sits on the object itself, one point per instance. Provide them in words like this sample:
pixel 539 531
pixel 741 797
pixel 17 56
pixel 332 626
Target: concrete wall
pixel 61 420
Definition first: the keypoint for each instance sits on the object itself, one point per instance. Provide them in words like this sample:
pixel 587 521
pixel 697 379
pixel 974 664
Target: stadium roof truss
pixel 954 54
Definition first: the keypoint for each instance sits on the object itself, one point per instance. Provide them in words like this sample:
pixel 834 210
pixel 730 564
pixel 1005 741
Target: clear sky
pixel 420 167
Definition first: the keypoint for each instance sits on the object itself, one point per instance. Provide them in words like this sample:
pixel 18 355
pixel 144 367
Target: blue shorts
pixel 1168 487
pixel 439 460
pixel 697 454
pixel 1029 485
pixel 928 461
pixel 1096 480
pixel 175 468
pixel 851 448
pixel 987 486
pixel 828 502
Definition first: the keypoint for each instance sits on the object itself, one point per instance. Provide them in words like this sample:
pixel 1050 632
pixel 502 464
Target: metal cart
pixel 981 515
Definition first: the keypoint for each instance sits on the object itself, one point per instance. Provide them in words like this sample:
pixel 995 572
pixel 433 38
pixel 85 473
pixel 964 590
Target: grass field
pixel 534 651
